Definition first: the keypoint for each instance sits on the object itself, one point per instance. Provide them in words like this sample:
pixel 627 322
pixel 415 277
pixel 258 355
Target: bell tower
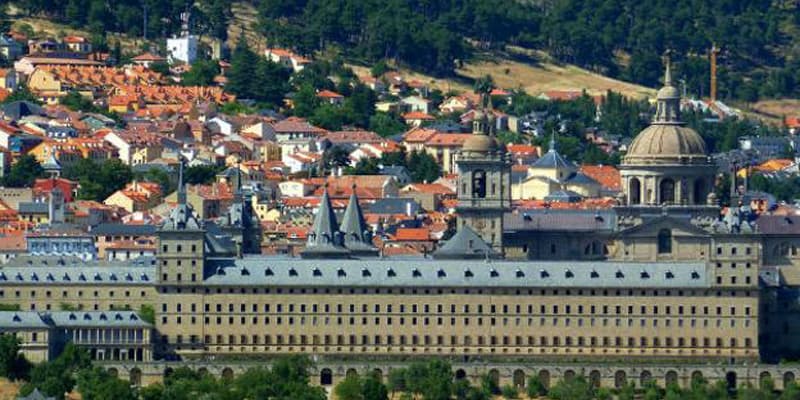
pixel 181 244
pixel 484 181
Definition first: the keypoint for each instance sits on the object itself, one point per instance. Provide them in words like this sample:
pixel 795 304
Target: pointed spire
pixel 553 140
pixel 668 68
pixel 181 187
pixel 356 236
pixel 324 240
pixel 325 226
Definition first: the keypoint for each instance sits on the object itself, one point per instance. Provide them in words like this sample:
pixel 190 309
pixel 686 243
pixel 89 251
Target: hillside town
pixel 383 194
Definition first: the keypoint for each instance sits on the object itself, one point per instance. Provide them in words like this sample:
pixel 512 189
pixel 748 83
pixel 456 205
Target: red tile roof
pixel 328 94
pixel 607 175
pixel 418 115
pixel 412 234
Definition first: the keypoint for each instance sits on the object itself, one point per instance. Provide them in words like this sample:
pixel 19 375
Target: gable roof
pixel 465 244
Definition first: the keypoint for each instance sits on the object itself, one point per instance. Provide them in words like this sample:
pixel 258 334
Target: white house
pixel 300 161
pixel 182 49
pixel 417 103
pixel 287 58
pixel 224 127
pixel 301 188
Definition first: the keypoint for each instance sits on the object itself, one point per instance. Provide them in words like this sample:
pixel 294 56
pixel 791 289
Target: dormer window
pixel 493 273
pixel 220 271
pixel 569 274
pixel 669 275
pixel 695 275
pixel 365 273
pixel 416 273
pixel 316 272
pixel 19 276
pixel 66 278
pixel 543 273
pixel 644 275
pixel 34 277
pixel 619 274
pixel 468 273
pixel 594 274
pixel 268 272
pixel 519 273
pixel 440 273
pixel 145 278
pixel 292 272
pixel 245 272
pixel 390 273
pixel 340 272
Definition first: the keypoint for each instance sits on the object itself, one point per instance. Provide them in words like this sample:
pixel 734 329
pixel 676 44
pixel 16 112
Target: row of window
pixel 747 280
pixel 440 321
pixel 440 340
pixel 65 293
pixel 518 309
pixel 480 291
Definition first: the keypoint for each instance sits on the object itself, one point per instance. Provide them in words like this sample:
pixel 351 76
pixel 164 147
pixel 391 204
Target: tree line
pixel 208 17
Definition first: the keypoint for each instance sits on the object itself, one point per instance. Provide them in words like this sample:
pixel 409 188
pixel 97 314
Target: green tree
pixel 98 384
pixel 373 389
pixel 305 101
pixel 536 387
pixel 242 72
pixel 98 181
pixel 201 174
pixel 397 380
pixel 385 124
pixel 22 93
pixel 13 364
pixel 423 167
pixel 438 383
pixel 202 73
pixel 509 392
pixel 76 102
pixel 24 172
pixel 335 157
pixel 349 389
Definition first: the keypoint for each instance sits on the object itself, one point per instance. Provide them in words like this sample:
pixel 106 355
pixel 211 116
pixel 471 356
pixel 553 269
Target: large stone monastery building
pixel 662 277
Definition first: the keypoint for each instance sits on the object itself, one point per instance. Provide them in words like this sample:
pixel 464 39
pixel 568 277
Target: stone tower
pixel 484 182
pixel 181 251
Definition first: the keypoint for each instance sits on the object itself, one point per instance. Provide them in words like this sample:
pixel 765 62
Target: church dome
pixel 667 141
pixel 480 143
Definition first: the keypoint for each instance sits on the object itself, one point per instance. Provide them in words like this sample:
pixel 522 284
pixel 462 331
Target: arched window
pixel 699 191
pixel 479 184
pixel 667 191
pixel 635 191
pixel 664 241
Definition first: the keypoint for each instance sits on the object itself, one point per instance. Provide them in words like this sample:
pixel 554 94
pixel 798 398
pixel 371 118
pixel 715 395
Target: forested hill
pixel 620 38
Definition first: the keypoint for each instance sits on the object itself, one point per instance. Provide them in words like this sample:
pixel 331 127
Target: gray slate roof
pixel 394 206
pixel 419 272
pixel 466 243
pixel 324 238
pixel 356 234
pixel 565 196
pixel 112 229
pixel 79 275
pixel 121 319
pixel 10 320
pixel 561 220
pixel 33 208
